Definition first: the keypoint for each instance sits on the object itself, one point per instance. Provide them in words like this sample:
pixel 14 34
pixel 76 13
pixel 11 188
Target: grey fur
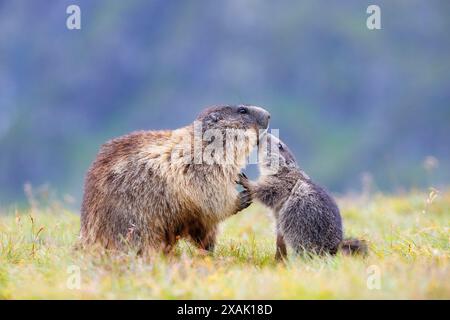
pixel 308 218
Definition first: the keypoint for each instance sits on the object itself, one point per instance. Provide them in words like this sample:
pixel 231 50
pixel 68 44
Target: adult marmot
pixel 308 218
pixel 147 189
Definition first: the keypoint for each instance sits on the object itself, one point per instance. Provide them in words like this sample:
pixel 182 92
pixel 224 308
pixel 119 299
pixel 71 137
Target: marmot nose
pixel 267 119
pixel 263 118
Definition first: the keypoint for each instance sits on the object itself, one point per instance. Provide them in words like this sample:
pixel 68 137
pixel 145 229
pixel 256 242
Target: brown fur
pixel 139 194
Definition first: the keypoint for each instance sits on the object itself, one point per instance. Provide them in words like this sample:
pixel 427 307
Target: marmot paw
pixel 245 199
pixel 243 181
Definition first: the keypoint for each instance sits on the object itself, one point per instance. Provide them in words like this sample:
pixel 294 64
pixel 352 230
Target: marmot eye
pixel 242 110
pixel 280 146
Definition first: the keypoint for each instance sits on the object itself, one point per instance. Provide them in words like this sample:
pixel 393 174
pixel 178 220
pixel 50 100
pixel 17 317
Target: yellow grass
pixel 409 252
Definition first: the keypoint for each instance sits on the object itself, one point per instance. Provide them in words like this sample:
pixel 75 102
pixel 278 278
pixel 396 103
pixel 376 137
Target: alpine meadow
pixel 135 160
pixel 408 258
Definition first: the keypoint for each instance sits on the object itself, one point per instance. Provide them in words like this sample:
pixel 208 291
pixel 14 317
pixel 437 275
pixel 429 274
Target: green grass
pixel 409 249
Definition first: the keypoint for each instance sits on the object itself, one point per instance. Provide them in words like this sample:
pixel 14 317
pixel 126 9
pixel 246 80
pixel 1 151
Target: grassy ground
pixel 409 253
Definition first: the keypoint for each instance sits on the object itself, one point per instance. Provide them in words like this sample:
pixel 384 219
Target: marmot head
pixel 274 155
pixel 229 133
pixel 234 117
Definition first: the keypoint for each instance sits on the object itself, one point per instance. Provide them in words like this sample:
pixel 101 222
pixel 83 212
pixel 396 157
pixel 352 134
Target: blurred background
pixel 357 106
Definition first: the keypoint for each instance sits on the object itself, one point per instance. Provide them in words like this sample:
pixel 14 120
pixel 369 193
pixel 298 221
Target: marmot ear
pixel 214 117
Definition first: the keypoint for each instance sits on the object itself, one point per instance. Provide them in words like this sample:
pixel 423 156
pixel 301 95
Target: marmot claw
pixel 243 180
pixel 245 199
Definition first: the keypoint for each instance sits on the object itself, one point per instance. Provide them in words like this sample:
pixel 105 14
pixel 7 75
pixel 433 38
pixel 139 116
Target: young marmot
pixel 307 217
pixel 141 192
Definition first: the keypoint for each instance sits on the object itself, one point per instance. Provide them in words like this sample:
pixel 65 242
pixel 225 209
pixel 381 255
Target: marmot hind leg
pixel 281 253
pixel 204 238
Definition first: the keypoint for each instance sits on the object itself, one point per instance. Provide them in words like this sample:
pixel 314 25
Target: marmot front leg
pixel 245 196
pixel 209 241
